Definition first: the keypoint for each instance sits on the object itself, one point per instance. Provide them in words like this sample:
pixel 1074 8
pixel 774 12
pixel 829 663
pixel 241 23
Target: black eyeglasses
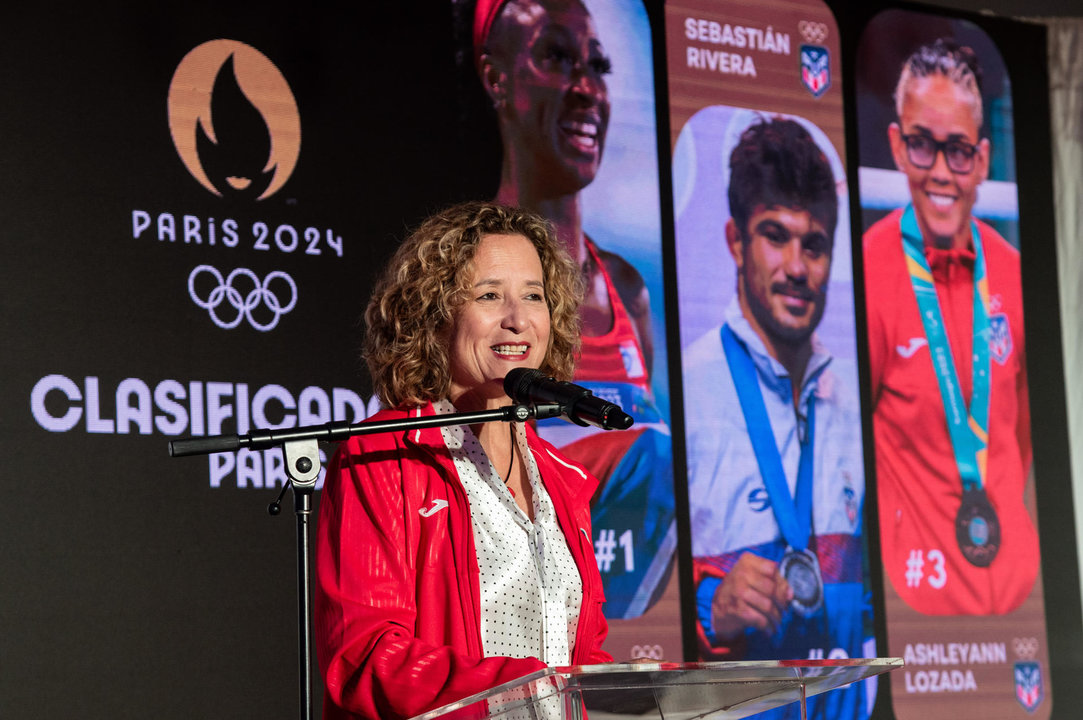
pixel 922 151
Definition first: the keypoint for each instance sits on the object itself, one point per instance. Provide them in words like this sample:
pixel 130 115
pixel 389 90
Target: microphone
pixel 577 404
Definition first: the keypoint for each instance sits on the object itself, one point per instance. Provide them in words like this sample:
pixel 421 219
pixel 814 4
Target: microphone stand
pixel 301 452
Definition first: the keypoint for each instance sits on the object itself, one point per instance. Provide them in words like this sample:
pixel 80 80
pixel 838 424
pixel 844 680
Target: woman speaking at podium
pixel 451 560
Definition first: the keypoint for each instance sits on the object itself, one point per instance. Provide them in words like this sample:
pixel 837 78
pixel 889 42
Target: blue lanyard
pixel 968 429
pixel 794 515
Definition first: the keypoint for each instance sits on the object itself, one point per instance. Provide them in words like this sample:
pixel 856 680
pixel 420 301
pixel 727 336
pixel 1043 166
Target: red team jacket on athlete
pixel 398 629
pixel 919 487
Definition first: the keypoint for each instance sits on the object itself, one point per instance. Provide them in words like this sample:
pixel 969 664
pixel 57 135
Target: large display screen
pixel 773 428
pixel 948 373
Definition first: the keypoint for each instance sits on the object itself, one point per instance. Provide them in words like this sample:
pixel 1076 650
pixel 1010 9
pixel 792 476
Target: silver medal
pixel 801 569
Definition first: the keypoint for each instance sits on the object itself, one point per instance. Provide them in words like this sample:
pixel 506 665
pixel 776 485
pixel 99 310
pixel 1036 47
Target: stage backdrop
pixel 195 198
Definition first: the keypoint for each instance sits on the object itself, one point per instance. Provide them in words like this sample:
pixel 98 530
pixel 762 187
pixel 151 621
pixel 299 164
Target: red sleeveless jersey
pixel 615 356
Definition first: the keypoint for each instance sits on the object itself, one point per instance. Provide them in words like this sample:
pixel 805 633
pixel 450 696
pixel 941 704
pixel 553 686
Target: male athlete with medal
pixel 949 389
pixel 776 479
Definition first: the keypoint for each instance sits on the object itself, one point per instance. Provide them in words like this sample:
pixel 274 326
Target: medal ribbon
pixel 794 514
pixel 968 429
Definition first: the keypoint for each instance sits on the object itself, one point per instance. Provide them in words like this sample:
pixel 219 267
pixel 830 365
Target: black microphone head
pixel 518 380
pixel 618 420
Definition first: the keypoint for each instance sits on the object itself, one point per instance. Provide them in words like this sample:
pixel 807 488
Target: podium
pixel 662 691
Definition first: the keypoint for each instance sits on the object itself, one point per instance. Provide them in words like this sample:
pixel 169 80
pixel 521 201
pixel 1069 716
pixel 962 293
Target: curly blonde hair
pixel 416 299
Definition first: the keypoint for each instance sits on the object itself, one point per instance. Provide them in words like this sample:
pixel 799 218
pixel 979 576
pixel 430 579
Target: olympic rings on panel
pixel 1025 648
pixel 244 301
pixel 815 33
pixel 650 652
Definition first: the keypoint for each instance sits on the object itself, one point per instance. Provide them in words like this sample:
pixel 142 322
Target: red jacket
pixel 398 628
pixel 918 483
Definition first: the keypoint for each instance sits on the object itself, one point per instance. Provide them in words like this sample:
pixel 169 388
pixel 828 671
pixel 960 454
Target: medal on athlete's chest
pixel 977 529
pixel 799 564
pixel 801 569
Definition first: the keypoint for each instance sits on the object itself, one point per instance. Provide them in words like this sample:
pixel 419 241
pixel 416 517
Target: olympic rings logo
pixel 814 32
pixel 1025 648
pixel 650 652
pixel 275 298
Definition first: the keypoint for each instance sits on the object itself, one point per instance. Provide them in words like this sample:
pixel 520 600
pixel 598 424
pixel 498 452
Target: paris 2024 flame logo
pixel 234 120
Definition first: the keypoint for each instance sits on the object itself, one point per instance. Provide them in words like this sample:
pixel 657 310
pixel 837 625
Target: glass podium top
pixel 663 691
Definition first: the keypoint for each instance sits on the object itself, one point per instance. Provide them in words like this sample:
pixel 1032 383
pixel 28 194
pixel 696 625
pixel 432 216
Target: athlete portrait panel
pixel 773 424
pixel 947 369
